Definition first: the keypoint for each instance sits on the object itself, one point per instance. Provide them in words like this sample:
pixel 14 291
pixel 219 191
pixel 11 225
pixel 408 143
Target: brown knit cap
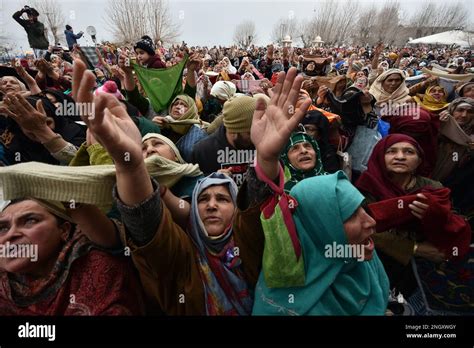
pixel 238 113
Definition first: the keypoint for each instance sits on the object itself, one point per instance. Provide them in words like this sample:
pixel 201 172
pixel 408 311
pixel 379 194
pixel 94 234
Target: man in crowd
pixel 34 29
pixel 71 38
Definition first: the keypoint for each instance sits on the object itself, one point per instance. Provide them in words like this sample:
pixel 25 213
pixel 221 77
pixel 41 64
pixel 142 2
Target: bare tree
pixel 426 16
pixel 284 27
pixel 131 19
pixel 159 22
pixel 346 21
pixel 307 32
pixel 325 21
pixel 365 24
pixel 452 15
pixel 53 17
pixel 245 34
pixel 433 18
pixel 387 25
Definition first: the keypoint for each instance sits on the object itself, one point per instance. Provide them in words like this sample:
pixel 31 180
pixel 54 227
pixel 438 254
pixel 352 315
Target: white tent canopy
pixel 453 37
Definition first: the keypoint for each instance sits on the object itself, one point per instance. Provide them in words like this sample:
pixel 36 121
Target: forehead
pixel 23 206
pixel 180 101
pixel 9 78
pixel 216 189
pixel 303 143
pixel 402 145
pixel 395 76
pixel 462 107
pixel 154 141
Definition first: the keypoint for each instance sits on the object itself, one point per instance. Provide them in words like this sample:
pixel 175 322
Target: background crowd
pixel 210 180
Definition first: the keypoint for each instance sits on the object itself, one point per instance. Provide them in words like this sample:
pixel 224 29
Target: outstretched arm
pixel 17 16
pixel 115 130
pixel 273 124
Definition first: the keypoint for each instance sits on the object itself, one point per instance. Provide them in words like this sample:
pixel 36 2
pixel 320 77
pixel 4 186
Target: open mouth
pixel 368 244
pixel 305 159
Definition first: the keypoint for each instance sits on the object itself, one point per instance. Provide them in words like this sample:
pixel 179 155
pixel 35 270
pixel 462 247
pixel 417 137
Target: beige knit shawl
pixel 84 184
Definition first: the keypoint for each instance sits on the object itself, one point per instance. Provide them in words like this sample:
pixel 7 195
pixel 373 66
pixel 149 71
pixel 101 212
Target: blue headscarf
pixel 225 288
pixel 334 286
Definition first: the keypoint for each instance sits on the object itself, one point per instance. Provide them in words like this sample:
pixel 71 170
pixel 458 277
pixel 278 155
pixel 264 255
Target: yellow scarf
pixel 431 104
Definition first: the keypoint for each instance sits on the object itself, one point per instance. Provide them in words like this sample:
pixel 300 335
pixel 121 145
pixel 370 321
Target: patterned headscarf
pixel 297 174
pixel 225 288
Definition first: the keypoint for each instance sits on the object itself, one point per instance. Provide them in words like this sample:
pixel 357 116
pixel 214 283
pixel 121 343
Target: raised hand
pixel 107 120
pixel 112 127
pixel 29 80
pixel 273 124
pixel 194 63
pixel 379 48
pixel 33 122
pixel 122 63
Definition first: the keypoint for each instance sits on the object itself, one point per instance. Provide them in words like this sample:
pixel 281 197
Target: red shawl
pixel 375 180
pixel 449 232
pixel 84 281
pixel 423 127
pixel 440 226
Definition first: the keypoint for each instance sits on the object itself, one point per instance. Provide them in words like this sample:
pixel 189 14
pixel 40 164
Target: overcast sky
pixel 202 22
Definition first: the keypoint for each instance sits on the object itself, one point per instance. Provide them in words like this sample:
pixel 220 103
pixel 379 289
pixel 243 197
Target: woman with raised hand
pixel 328 210
pixel 207 268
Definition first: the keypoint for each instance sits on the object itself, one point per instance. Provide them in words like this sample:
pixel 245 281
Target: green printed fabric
pixel 161 85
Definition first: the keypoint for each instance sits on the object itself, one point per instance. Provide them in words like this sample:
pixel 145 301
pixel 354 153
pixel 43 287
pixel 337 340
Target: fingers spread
pixel 295 90
pixel 21 105
pixel 290 77
pixel 8 112
pixel 298 116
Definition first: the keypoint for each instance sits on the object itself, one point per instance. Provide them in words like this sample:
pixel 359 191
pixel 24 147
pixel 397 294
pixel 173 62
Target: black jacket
pixel 215 152
pixel 34 30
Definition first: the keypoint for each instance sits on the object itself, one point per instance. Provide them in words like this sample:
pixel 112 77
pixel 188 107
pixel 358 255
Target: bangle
pixel 415 248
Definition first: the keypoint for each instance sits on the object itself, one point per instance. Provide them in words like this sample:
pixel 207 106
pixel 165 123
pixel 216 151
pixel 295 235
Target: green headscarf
pixel 190 117
pixel 297 174
pixel 334 286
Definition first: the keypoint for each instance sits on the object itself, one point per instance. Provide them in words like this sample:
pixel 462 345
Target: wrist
pixel 269 166
pixel 46 135
pixel 130 168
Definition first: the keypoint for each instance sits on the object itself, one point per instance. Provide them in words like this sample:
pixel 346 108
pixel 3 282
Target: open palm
pixel 273 124
pixel 108 122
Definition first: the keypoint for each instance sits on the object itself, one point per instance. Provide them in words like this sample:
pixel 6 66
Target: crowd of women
pixel 218 187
